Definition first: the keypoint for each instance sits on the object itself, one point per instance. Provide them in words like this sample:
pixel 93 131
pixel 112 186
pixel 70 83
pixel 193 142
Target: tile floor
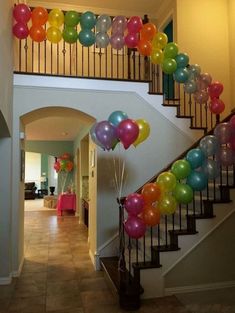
pixel 58 276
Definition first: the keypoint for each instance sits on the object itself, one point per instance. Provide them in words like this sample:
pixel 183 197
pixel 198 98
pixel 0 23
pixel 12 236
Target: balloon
pixel 117 117
pixel 181 75
pixel 134 24
pixel 37 33
pixel 22 13
pixel 226 156
pixel 71 18
pixel 215 89
pixel 181 169
pixel 102 40
pixel 183 193
pixel 94 138
pixel 156 56
pixel 20 30
pixel 65 156
pixel 148 31
pixel 103 23
pixel 57 166
pixel 70 34
pixel 232 122
pixel 201 96
pixel 134 204
pixel 211 168
pixel 119 25
pixel 216 106
pixel 171 50
pixel 86 37
pixel 54 34
pixel 167 181
pixel 144 131
pixel 169 66
pixel 131 40
pixel 232 143
pixel 117 41
pixel 127 132
pixel 151 215
pixel 197 180
pixel 209 145
pixel 88 20
pixel 106 134
pixel 204 80
pixel 151 192
pixel 194 71
pixel 159 40
pixel 63 164
pixel 182 60
pixel 69 166
pixel 135 227
pixel 195 157
pixel 39 16
pixel 56 18
pixel 190 86
pixel 223 133
pixel 144 47
pixel 167 204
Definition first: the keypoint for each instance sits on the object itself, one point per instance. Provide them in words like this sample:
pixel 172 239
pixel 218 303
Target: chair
pixel 30 191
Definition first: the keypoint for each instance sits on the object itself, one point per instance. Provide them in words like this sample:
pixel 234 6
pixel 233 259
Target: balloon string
pixel 115 176
pixel 122 178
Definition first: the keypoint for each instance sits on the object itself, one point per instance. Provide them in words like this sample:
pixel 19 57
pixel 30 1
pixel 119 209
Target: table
pixel 50 202
pixel 66 202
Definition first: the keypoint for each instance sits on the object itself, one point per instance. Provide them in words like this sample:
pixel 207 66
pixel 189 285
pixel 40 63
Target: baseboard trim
pixel 5 280
pixel 18 272
pixel 95 258
pixel 195 288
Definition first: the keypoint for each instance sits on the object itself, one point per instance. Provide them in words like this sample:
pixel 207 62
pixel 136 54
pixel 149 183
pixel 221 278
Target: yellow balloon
pixel 54 34
pixel 157 56
pixel 144 131
pixel 159 41
pixel 167 205
pixel 167 181
pixel 56 18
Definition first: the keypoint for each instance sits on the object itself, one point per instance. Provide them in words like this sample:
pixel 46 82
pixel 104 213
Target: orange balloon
pixel 148 31
pixel 151 215
pixel 151 192
pixel 144 47
pixel 69 166
pixel 39 16
pixel 37 33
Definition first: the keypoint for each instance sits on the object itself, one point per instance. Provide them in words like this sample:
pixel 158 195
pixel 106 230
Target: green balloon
pixel 169 66
pixel 71 18
pixel 171 50
pixel 86 37
pixel 70 34
pixel 183 193
pixel 88 20
pixel 181 169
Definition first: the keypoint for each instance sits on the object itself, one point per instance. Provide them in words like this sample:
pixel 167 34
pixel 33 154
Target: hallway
pixel 58 276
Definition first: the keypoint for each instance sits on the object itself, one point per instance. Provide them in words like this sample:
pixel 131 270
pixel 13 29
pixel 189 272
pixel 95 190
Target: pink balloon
pixel 232 122
pixel 20 30
pixel 127 132
pixel 117 41
pixel 134 24
pixel 22 13
pixel 135 227
pixel 215 89
pixel 223 132
pixel 232 143
pixel 131 40
pixel 134 204
pixel 216 106
pixel 119 25
pixel 203 81
pixel 226 156
pixel 201 96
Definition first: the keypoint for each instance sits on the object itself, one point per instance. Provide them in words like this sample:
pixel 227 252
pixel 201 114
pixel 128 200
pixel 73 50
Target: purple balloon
pixel 134 204
pixel 223 132
pixel 94 138
pixel 117 41
pixel 135 227
pixel 226 156
pixel 119 25
pixel 127 132
pixel 22 13
pixel 20 30
pixel 232 122
pixel 106 134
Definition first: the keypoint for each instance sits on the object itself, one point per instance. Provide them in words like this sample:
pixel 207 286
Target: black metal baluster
pixel 111 62
pixel 52 58
pixel 70 57
pixel 76 57
pixel 117 63
pixel 137 250
pixel 26 55
pixel 151 242
pixel 180 216
pixel 144 249
pixel 88 61
pixel 106 62
pixel 82 61
pixel 201 202
pixel 32 56
pixel 20 55
pixel 64 52
pixel 166 231
pixel 57 60
pixel 158 235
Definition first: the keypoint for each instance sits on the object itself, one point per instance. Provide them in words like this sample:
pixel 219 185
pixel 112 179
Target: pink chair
pixel 66 202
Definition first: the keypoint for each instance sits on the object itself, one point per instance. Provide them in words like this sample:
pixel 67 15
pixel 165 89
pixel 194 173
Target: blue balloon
pixel 88 20
pixel 182 60
pixel 195 157
pixel 86 37
pixel 197 180
pixel 116 117
pixel 181 75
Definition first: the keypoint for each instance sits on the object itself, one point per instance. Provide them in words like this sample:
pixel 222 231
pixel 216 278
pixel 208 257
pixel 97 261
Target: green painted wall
pixel 55 148
pixel 44 170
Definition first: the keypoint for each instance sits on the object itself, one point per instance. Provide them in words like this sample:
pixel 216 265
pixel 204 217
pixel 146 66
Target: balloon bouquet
pixel 63 165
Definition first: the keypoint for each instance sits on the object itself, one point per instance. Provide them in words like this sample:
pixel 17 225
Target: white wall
pixel 33 168
pixel 141 162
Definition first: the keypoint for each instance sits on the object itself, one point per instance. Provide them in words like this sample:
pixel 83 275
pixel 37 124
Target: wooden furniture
pixel 66 202
pixel 50 202
pixel 85 207
pixel 30 190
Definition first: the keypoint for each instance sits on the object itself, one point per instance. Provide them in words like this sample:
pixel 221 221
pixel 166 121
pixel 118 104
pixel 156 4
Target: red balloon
pixel 215 89
pixel 135 227
pixel 134 204
pixel 57 166
pixel 151 215
pixel 39 16
pixel 131 40
pixel 22 13
pixel 127 132
pixel 216 106
pixel 65 156
pixel 20 30
pixel 37 33
pixel 144 47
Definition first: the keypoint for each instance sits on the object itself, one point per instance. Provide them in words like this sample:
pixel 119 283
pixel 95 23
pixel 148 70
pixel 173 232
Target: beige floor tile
pixel 69 288
pixel 97 297
pixel 63 302
pixel 27 305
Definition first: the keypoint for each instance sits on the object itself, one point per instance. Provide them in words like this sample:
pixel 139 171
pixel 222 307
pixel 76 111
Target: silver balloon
pixel 194 71
pixel 102 40
pixel 209 145
pixel 190 86
pixel 211 168
pixel 103 23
